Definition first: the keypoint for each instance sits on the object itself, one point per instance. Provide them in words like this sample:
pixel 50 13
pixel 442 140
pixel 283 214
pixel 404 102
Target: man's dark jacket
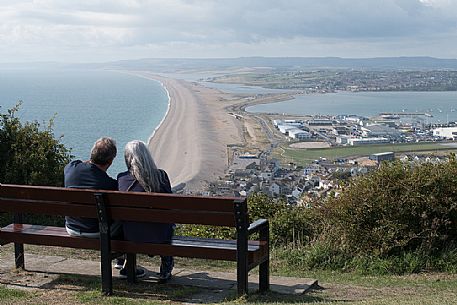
pixel 85 175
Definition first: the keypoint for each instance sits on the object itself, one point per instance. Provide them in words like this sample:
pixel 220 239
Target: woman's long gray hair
pixel 141 166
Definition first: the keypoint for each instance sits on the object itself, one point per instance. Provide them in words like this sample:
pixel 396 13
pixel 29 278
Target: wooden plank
pixel 180 246
pixel 173 216
pixel 46 236
pixel 114 198
pixel 48 208
pixel 119 213
pixel 47 193
pixel 170 201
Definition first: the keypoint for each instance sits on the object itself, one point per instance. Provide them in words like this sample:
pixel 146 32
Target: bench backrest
pixel 147 207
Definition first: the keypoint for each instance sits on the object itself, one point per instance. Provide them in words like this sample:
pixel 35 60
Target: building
pixel 276 123
pixel 385 156
pixel 285 128
pixel 449 133
pixel 320 122
pixel 380 131
pixel 294 123
pixel 343 140
pixel 341 130
pixel 364 141
pixel 299 134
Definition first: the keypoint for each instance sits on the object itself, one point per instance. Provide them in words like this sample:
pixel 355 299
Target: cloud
pixel 147 26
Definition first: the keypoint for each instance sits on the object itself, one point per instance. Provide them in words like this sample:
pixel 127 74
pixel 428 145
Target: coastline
pixel 165 115
pixel 190 143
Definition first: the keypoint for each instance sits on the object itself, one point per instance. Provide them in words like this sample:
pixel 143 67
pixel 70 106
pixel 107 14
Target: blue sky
pixel 104 30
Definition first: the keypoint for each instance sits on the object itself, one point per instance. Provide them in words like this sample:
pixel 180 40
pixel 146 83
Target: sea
pixel 440 107
pixel 86 105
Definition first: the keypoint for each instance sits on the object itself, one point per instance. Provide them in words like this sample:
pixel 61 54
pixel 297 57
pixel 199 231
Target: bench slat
pixel 174 216
pixel 115 198
pixel 47 193
pixel 46 207
pixel 166 201
pixel 180 246
pixel 124 213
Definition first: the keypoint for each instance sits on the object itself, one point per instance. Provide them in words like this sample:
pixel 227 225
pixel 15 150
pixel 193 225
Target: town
pixel 263 170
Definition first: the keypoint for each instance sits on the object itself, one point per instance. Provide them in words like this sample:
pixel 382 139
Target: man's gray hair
pixel 104 151
pixel 141 166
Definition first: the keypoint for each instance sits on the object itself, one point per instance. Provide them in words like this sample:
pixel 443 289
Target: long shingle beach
pixel 191 143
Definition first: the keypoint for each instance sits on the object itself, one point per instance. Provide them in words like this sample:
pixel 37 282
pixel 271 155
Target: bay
pixel 87 104
pixel 441 105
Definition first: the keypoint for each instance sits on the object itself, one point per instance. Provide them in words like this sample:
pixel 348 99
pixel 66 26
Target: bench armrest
pixel 257 226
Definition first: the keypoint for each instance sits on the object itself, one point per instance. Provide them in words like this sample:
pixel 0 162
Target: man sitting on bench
pixel 92 174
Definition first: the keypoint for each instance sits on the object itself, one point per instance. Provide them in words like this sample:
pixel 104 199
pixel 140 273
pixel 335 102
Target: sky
pixel 106 30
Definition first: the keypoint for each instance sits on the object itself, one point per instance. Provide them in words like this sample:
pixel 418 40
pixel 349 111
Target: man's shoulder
pixel 72 165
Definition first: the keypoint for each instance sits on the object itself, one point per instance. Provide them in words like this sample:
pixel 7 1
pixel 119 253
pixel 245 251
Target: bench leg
pixel 242 281
pixel 264 276
pixel 106 269
pixel 131 267
pixel 242 270
pixel 18 248
pixel 105 245
pixel 19 255
pixel 241 247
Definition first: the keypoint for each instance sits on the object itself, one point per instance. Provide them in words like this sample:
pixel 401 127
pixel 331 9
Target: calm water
pixel 88 105
pixel 441 105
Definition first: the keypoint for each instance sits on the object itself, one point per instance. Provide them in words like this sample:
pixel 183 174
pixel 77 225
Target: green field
pixel 306 156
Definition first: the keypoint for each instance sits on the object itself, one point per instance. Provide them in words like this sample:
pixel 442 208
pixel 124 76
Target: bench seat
pixel 182 246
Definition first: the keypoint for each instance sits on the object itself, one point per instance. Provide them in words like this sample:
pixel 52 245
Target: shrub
pixel 399 208
pixel 292 226
pixel 29 154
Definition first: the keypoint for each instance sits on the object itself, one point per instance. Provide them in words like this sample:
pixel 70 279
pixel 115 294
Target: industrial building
pixel 380 131
pixel 285 128
pixel 364 141
pixel 449 133
pixel 385 156
pixel 299 134
pixel 320 122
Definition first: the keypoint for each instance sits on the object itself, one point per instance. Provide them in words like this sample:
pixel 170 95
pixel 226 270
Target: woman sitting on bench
pixel 144 176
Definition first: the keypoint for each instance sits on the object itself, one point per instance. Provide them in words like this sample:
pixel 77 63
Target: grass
pixel 338 287
pixel 306 156
pixel 12 295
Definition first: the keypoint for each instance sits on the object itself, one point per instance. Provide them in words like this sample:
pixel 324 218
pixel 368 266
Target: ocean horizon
pixel 86 105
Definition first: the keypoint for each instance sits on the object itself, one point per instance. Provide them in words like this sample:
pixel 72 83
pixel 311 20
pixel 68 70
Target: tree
pixel 29 153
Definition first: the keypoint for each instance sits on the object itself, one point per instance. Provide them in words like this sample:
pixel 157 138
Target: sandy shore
pixel 191 143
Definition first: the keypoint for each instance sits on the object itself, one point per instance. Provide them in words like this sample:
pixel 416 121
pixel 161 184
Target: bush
pixel 30 154
pixel 292 226
pixel 288 225
pixel 397 209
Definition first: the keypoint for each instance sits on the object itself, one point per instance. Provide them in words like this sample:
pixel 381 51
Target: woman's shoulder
pixel 165 182
pixel 163 174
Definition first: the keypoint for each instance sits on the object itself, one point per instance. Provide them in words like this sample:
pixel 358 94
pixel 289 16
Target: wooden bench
pixel 144 207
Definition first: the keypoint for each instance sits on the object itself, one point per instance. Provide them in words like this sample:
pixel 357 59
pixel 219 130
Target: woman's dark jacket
pixel 150 232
